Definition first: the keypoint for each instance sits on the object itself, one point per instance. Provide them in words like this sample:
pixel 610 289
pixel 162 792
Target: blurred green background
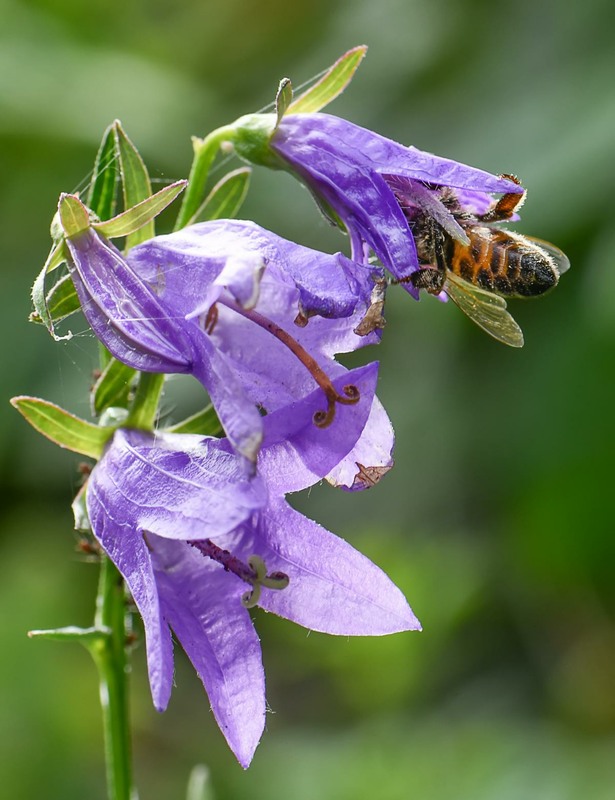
pixel 497 521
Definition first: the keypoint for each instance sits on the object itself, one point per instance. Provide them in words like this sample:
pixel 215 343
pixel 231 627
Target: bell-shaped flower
pixel 368 182
pixel 257 319
pixel 198 542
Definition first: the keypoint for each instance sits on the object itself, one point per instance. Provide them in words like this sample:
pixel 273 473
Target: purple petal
pixel 345 165
pixel 238 360
pixel 126 548
pixel 372 456
pixel 314 136
pixel 333 588
pixel 238 414
pixel 296 453
pixel 270 373
pixel 202 603
pixel 122 310
pixel 177 486
pixel 350 184
pixel 195 257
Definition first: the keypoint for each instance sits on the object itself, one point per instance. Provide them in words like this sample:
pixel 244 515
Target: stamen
pixel 351 394
pixel 230 562
pixel 211 319
pixel 254 572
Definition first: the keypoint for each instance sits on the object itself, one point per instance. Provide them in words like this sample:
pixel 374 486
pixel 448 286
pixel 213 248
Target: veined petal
pixel 122 310
pixel 175 485
pixel 350 169
pixel 372 456
pixel 300 135
pixel 196 256
pixel 165 508
pixel 202 604
pixel 238 414
pixel 125 546
pixel 296 453
pixel 245 362
pixel 332 587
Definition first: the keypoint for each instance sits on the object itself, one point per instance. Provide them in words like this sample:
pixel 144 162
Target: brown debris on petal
pixel 374 319
pixel 302 319
pixel 367 477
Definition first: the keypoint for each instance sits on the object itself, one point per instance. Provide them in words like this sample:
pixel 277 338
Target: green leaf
pixel 205 423
pixel 283 99
pixel 65 429
pixel 101 197
pixel 331 85
pixel 112 387
pixel 85 636
pixel 141 216
pixel 227 196
pixel 136 185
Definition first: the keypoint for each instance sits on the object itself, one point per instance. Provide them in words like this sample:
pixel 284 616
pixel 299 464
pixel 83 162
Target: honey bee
pixel 488 265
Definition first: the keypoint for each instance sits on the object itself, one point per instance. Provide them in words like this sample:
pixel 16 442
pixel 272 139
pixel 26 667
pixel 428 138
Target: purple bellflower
pixel 199 541
pixel 257 319
pixel 368 182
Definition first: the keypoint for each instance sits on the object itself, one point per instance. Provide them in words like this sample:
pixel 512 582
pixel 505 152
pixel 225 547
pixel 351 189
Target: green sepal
pixel 80 511
pixel 136 185
pixel 57 254
pixel 63 428
pixel 251 137
pixel 226 197
pixel 88 637
pixel 39 300
pixel 331 85
pixel 74 216
pixel 61 301
pixel 283 99
pixel 141 216
pixel 102 195
pixel 113 387
pixel 205 423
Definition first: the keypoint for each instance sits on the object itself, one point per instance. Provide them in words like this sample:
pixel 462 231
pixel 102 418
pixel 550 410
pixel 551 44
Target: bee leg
pixel 506 205
pixel 428 278
pixel 431 278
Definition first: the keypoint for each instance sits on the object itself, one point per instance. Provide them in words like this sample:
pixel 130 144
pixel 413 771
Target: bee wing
pixel 562 262
pixel 487 310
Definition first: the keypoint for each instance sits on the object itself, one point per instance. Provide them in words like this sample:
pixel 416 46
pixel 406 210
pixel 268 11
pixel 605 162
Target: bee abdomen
pixel 503 262
pixel 531 271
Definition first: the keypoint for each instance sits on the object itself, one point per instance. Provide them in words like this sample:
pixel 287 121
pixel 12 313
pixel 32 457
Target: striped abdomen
pixel 502 262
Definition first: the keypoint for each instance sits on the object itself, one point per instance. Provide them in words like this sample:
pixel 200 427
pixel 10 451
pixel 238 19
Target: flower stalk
pixel 205 151
pixel 145 404
pixel 111 657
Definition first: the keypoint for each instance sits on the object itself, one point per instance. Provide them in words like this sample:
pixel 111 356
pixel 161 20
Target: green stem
pixel 144 407
pixel 110 655
pixel 205 151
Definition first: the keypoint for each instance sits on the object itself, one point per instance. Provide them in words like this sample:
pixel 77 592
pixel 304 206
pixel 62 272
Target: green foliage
pixel 64 429
pixel 112 387
pixel 205 423
pixel 330 86
pixel 283 99
pixel 226 197
pixel 102 194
